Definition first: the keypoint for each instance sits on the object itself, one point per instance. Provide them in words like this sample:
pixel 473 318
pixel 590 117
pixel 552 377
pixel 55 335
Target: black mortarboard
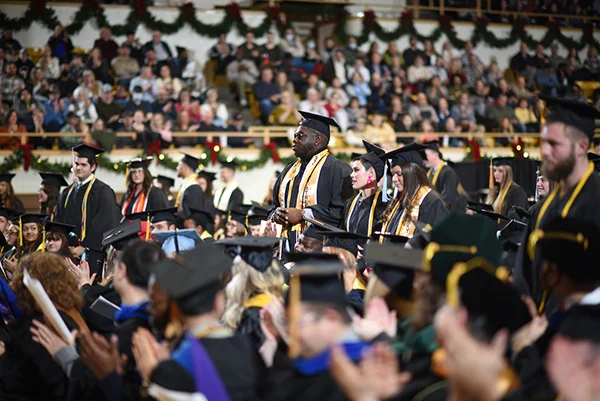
pixel 232 165
pixel 582 323
pixel 434 145
pixel 321 224
pixel 167 182
pixel 210 176
pixel 194 278
pixel 256 220
pixel 7 213
pixel 312 257
pixel 54 179
pixel 317 122
pixel 121 235
pixel 480 206
pixel 492 215
pixel 53 227
pixel 372 148
pixel 513 229
pixel 244 208
pixel 395 266
pixel 163 215
pixel 259 210
pixel 503 161
pixel 342 235
pixel 522 213
pixel 191 161
pixel 87 151
pixel 411 153
pixel 202 218
pixel 393 238
pixel 375 161
pixel 139 162
pixel 33 218
pixel 572 245
pixel 240 217
pixel 580 115
pixel 320 282
pixel 256 251
pixel 314 233
pixel 6 177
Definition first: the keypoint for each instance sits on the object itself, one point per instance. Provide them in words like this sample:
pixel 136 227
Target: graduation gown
pixel 515 196
pixel 28 371
pixel 237 363
pixel 103 214
pixel 95 321
pixel 445 181
pixel 584 206
pixel 156 200
pixel 193 197
pixel 236 198
pixel 17 206
pixel 333 189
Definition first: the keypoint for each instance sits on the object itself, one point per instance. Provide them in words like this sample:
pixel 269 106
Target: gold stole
pixel 188 182
pixel 258 301
pixel 371 212
pixel 406 228
pixel 502 197
pixel 437 175
pixel 83 205
pixel 205 234
pixel 307 191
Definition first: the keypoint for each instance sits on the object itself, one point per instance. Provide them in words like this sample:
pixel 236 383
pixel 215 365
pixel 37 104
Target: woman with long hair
pixel 205 180
pixel 24 362
pixel 8 199
pixel 257 279
pixel 31 237
pixel 11 126
pixel 505 193
pixel 59 238
pixel 415 198
pixel 50 192
pixel 141 195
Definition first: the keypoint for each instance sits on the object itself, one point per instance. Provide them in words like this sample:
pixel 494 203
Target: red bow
pixel 155 149
pixel 406 17
pixel 446 22
pixel 27 148
pixel 475 149
pixel 233 9
pixel 141 9
pixel 214 147
pixel 189 11
pixel 369 19
pixel 272 146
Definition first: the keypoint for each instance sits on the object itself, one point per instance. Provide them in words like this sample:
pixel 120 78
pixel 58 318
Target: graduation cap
pixel 375 161
pixel 54 179
pixel 582 323
pixel 480 206
pixel 256 220
pixel 492 215
pixel 159 215
pixel 572 245
pixel 393 238
pixel 312 257
pixel 372 148
pixel 321 224
pixel 314 233
pixel 202 218
pixel 411 153
pixel 121 235
pixel 232 165
pixel 139 162
pixel 6 177
pixel 395 266
pixel 259 210
pixel 87 151
pixel 522 213
pixel 580 115
pixel 210 176
pixel 178 240
pixel 67 229
pixel 240 217
pixel 434 145
pixel 167 182
pixel 244 208
pixel 342 235
pixel 460 238
pixel 511 229
pixel 191 161
pixel 319 283
pixel 194 278
pixel 7 213
pixel 33 218
pixel 503 161
pixel 318 122
pixel 256 251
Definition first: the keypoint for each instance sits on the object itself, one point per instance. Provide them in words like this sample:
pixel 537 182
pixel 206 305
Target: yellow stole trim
pixel 434 180
pixel 405 227
pixel 191 180
pixel 503 196
pixel 205 234
pixel 83 205
pixel 307 191
pixel 371 212
pixel 258 301
pixel 571 200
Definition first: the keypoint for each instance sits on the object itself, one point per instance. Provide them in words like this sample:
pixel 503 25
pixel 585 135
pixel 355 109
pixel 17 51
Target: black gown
pixel 238 364
pixel 103 214
pixel 95 321
pixel 156 200
pixel 235 200
pixel 28 371
pixel 446 183
pixel 17 206
pixel 515 196
pixel 194 198
pixel 334 188
pixel 527 278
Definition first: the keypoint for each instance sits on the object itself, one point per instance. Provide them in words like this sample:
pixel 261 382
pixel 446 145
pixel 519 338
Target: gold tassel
pixel 147 226
pixel 20 232
pixel 43 239
pixel 491 182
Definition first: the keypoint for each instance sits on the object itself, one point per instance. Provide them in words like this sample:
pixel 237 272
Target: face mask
pixel 138 96
pixel 289 37
pixel 311 45
pixel 352 46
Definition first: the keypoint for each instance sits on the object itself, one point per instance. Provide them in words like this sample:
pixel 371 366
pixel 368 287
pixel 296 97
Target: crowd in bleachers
pixel 154 90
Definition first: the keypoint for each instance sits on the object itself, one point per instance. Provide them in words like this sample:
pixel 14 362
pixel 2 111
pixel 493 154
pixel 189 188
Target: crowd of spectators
pixel 149 89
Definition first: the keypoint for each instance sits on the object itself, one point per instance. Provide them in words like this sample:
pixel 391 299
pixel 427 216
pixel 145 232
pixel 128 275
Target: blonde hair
pixel 246 283
pixel 494 195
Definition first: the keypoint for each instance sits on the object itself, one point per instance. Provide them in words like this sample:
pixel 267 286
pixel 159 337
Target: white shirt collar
pixel 591 298
pixel 87 180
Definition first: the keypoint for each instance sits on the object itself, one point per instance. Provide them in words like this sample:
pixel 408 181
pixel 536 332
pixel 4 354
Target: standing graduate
pixel 90 205
pixel 415 199
pixel 228 195
pixel 566 138
pixel 50 192
pixel 206 179
pixel 506 193
pixel 190 194
pixel 8 198
pixel 317 184
pixel 141 195
pixel 165 184
pixel 443 178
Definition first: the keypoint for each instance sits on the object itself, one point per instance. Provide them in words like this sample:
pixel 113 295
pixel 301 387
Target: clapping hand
pixel 102 357
pixel 148 352
pixel 81 272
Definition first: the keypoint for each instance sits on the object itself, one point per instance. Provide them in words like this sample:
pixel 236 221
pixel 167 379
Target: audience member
pixel 25 105
pixel 160 48
pixel 165 80
pixel 60 45
pixel 359 89
pixel 237 125
pixel 291 43
pixel 271 51
pixel 219 110
pixel 107 46
pixel 313 103
pixel 421 111
pixel 107 109
pixel 146 81
pixel 137 102
pixel 11 126
pixel 55 110
pixel 124 66
pixel 351 51
pixel 267 93
pixel 496 112
pixel 99 66
pixel 412 52
pixel 71 127
pixel 463 114
pixel 222 53
pixel 336 67
pixel 242 73
pixel 83 107
pixel 10 83
pixel 359 66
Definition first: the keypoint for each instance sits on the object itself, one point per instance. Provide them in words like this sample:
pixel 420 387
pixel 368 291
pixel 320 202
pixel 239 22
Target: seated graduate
pixel 50 192
pixel 257 279
pixel 203 360
pixel 415 200
pixel 60 238
pixel 28 371
pixel 31 238
pixel 8 198
pixel 201 221
pixel 318 320
pixel 505 193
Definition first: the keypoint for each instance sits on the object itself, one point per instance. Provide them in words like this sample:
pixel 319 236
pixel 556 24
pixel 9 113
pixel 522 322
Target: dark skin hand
pixel 287 216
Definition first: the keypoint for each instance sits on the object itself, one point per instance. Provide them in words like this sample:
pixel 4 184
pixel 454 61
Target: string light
pixel 526 155
pixel 161 156
pixel 217 148
pixel 203 156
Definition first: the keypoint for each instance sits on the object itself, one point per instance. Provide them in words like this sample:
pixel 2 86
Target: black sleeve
pixel 516 197
pixel 104 215
pixel 334 189
pixel 277 187
pixel 194 198
pixel 432 209
pixel 449 188
pixel 236 199
pixel 157 199
pixel 59 215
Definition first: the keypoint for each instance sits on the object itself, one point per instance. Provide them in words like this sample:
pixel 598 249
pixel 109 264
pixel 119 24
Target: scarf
pixel 307 191
pixel 137 311
pixel 320 363
pixel 223 194
pixel 188 182
pixel 139 205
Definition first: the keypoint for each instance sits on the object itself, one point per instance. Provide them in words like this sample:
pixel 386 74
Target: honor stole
pixel 371 212
pixel 188 182
pixel 406 228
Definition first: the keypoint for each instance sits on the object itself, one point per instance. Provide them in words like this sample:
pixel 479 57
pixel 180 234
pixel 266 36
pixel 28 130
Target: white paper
pixel 104 307
pixel 48 309
pixel 163 394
